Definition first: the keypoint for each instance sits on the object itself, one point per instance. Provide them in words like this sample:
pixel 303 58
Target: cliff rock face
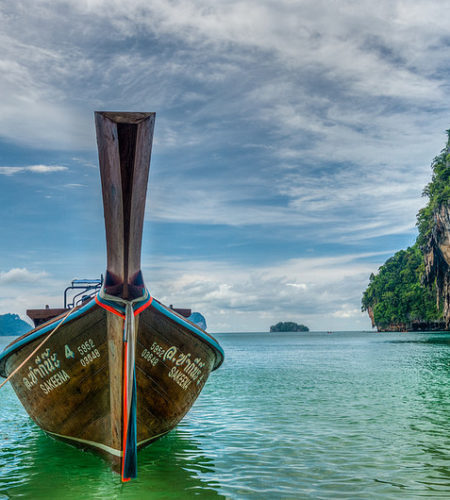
pixel 437 259
pixel 371 316
pixel 414 326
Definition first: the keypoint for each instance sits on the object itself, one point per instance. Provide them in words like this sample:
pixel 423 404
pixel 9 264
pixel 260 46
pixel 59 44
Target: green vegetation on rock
pixel 438 192
pixel 288 326
pixel 396 295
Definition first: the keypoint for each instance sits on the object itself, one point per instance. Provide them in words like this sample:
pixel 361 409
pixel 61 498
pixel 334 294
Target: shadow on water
pixel 432 338
pixel 33 465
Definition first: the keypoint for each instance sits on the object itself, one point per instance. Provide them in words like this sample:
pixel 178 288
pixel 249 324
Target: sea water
pixel 298 415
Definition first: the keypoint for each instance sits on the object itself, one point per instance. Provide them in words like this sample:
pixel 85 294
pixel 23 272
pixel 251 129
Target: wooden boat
pixel 120 370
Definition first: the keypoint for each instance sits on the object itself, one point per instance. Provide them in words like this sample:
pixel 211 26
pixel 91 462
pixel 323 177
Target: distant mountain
pixel 11 324
pixel 198 319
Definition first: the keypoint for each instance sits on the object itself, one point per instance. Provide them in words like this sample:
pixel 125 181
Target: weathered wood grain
pixel 88 405
pixel 115 361
pixel 124 144
pixel 109 159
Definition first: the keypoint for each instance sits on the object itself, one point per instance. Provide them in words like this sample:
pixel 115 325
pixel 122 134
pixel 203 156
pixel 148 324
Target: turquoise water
pixel 346 415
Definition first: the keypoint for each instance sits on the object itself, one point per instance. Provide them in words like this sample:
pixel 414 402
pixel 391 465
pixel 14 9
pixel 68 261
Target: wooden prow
pixel 124 143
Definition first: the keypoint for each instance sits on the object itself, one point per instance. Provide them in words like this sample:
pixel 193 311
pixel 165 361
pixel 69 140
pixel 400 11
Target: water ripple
pixel 313 416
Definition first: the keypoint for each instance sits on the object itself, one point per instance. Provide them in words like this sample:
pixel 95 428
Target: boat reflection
pixel 34 465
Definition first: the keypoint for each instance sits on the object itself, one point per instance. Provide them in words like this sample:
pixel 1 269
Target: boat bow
pixel 124 148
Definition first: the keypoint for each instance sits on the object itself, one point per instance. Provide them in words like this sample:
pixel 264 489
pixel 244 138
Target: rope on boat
pixel 129 428
pixel 9 377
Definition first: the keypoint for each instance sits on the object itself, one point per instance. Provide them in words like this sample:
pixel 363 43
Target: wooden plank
pixel 115 361
pixel 144 139
pixel 172 366
pixel 64 386
pixel 126 116
pixel 45 313
pixel 108 154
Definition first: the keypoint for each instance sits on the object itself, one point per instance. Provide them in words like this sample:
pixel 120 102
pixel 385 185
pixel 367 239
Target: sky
pixel 292 143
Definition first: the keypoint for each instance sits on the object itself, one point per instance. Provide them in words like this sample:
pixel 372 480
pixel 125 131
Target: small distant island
pixel 288 326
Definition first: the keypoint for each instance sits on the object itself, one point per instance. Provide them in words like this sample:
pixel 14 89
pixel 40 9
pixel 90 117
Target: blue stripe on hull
pixel 130 465
pixel 181 321
pixel 42 331
pixel 159 307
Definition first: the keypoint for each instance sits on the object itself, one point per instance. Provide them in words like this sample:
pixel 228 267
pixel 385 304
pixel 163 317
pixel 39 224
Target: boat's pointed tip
pixel 131 117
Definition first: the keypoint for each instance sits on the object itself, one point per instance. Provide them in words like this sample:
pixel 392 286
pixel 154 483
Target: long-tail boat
pixel 121 369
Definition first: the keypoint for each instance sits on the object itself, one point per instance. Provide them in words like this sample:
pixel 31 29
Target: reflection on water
pixel 348 415
pixel 34 465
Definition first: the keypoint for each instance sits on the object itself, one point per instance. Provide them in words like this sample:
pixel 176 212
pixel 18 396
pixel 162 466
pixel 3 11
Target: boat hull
pixel 73 386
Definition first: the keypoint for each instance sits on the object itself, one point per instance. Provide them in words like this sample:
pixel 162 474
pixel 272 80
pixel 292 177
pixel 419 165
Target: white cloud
pixel 302 286
pixel 348 311
pixel 322 292
pixel 299 66
pixel 21 275
pixel 36 169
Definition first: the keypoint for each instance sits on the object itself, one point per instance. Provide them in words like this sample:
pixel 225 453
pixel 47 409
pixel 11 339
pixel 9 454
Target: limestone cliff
pixel 437 259
pixel 371 316
pixel 396 300
pixel 411 291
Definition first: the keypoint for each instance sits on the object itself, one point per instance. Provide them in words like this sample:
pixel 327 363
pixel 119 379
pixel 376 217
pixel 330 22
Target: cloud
pixel 348 311
pixel 322 292
pixel 36 169
pixel 307 68
pixel 21 275
pixel 300 121
pixel 302 286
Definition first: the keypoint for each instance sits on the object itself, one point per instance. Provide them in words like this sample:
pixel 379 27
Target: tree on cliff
pixel 438 192
pixel 433 222
pixel 396 296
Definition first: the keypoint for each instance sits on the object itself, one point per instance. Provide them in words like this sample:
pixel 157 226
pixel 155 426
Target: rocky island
pixel 11 324
pixel 411 291
pixel 288 326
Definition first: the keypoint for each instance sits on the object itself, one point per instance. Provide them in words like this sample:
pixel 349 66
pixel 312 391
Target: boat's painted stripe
pixel 101 303
pixel 156 436
pixel 144 306
pixel 104 447
pixel 119 309
pixel 45 329
pixel 130 452
pixel 212 342
pixel 108 307
pixel 124 408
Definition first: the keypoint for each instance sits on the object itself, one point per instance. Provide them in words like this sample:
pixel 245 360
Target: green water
pixel 346 415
